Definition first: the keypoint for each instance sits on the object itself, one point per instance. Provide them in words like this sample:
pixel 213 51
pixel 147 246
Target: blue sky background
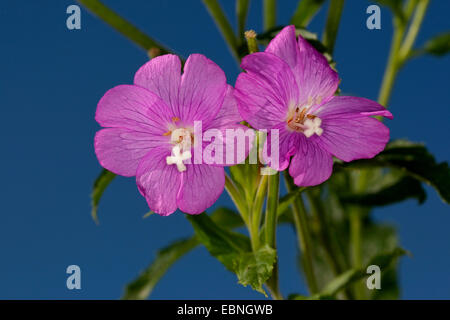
pixel 51 79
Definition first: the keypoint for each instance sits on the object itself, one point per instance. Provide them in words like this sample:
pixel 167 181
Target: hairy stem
pixel 325 233
pixel 223 25
pixel 270 14
pixel 236 197
pixel 399 51
pixel 122 25
pixel 241 16
pixel 398 54
pixel 255 220
pixel 270 229
pixel 413 29
pixel 303 237
pixel 332 24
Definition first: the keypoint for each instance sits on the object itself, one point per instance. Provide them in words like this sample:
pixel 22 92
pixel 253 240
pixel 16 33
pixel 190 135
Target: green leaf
pixel 306 10
pixel 395 190
pixel 227 218
pixel 122 25
pixel 233 250
pixel 347 278
pixel 414 160
pixel 246 178
pixel 141 288
pixel 223 244
pixel 296 296
pixel 439 45
pixel 255 268
pixel 100 185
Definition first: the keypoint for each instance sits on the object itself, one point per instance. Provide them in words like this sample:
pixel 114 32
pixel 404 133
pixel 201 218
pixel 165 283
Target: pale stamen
pixel 308 124
pixel 313 126
pixel 182 137
pixel 178 157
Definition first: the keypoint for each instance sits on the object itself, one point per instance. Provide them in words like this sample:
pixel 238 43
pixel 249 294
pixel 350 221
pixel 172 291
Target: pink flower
pixel 149 131
pixel 290 87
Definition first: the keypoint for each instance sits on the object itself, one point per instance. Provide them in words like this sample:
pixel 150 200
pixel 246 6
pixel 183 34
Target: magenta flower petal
pixel 137 119
pixel 349 133
pixel 201 187
pixel 311 165
pixel 345 107
pixel 120 150
pixel 288 145
pixel 202 90
pixel 285 46
pixel 316 80
pixel 266 90
pixel 133 108
pixel 162 76
pixel 158 182
pixel 299 101
pixel 228 113
pixel 229 118
pixel 235 143
pixel 150 131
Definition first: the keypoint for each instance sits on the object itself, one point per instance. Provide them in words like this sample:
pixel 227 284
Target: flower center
pixel 182 139
pixel 301 121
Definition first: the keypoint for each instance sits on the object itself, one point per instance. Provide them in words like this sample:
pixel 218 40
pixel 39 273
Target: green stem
pixel 306 10
pixel 223 24
pixel 241 16
pixel 122 25
pixel 413 29
pixel 270 14
pixel 255 220
pixel 399 51
pixel 271 210
pixel 398 54
pixel 355 239
pixel 333 251
pixel 391 70
pixel 332 24
pixel 325 233
pixel 355 235
pixel 236 197
pixel 304 237
pixel 270 229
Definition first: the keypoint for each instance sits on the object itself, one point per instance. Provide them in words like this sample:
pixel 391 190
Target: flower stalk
pixel 223 25
pixel 270 230
pixel 123 26
pixel 270 14
pixel 303 237
pixel 332 24
pixel 400 50
pixel 241 16
pixel 255 220
pixel 236 198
